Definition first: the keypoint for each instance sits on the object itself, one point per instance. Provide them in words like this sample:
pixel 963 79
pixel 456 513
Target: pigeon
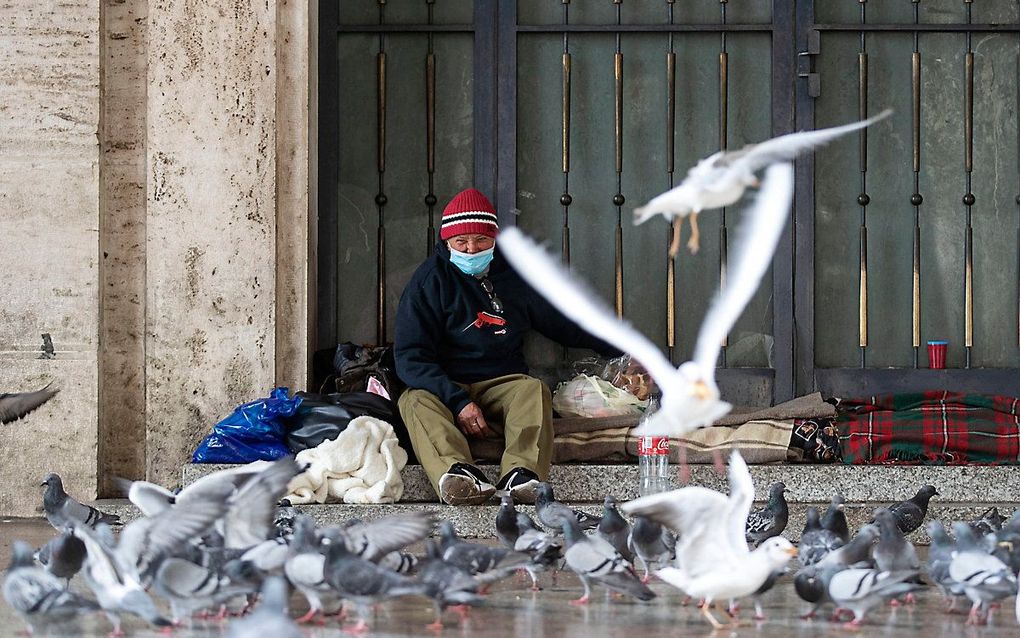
pixel 834 519
pixel 115 580
pixel 506 522
pixel 721 179
pixel 554 514
pixel 39 597
pixel 893 553
pixel 984 578
pixel 544 549
pixel 713 561
pixel 62 510
pixel 475 558
pixel 63 556
pixel 861 589
pixel 911 512
pixel 593 558
pixel 856 553
pixel 653 545
pixel 362 582
pixel 615 529
pixel 1007 543
pixel 14 405
pixel 190 588
pixel 446 584
pixel 690 396
pixel 270 619
pixel 989 521
pixel 305 569
pixel 815 540
pixel 770 520
pixel 374 540
pixel 400 562
pixel 770 582
pixel 940 555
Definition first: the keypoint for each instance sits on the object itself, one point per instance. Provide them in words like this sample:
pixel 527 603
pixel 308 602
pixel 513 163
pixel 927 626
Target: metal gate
pixel 568 114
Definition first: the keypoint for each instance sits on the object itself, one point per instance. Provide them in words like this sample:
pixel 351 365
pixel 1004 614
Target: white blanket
pixel 362 465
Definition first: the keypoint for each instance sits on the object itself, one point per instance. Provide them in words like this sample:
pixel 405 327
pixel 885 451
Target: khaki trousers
pixel 516 406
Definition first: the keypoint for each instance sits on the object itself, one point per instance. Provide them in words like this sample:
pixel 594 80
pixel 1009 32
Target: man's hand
pixel 471 422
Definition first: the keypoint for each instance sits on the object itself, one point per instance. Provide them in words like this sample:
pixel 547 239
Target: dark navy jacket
pixel 447 330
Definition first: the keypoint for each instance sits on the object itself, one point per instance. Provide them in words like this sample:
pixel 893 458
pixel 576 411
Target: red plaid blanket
pixel 930 427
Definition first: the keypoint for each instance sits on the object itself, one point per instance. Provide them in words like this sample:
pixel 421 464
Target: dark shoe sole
pixel 461 490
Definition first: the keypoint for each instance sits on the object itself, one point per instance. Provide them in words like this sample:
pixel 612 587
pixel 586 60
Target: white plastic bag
pixel 588 396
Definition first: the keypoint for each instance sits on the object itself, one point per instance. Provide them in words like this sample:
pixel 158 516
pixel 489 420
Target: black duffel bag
pixel 322 417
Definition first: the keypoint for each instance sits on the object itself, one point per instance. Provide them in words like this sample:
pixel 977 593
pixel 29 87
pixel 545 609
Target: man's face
pixel 470 243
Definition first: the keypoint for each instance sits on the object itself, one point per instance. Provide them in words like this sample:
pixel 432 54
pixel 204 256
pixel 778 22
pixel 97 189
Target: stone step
pixel 478 521
pixel 589 483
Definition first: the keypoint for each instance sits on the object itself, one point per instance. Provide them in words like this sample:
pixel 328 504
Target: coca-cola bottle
pixel 653 457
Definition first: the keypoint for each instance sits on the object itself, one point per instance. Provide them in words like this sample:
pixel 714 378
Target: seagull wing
pixel 785 148
pixel 739 502
pixel 553 282
pixel 757 237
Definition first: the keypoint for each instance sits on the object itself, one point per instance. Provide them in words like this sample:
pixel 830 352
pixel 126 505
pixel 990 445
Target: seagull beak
pixel 701 390
pixel 792 551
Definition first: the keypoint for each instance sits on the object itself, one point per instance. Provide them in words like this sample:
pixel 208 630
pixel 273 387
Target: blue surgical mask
pixel 471 264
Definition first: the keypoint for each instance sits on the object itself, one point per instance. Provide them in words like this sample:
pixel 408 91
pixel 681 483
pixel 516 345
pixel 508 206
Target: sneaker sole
pixel 461 490
pixel 525 494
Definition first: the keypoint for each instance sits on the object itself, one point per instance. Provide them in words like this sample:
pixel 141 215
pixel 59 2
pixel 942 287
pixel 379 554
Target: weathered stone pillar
pixel 211 221
pixel 49 242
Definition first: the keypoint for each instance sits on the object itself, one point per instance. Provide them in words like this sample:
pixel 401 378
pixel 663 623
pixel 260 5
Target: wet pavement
pixel 513 610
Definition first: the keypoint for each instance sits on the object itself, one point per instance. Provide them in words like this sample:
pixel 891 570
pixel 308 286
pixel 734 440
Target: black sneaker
pixel 521 483
pixel 465 484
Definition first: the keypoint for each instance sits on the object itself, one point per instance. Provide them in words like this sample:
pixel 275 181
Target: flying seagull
pixel 721 179
pixel 690 396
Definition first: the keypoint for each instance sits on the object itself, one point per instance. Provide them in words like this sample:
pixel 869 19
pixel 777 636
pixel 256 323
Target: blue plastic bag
pixel 253 432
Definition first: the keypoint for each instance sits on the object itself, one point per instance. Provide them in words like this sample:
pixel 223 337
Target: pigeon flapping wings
pixel 15 405
pixel 373 540
pixel 690 397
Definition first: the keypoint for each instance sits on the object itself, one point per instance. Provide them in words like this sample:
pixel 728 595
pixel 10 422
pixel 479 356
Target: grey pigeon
pixel 769 583
pixel 856 553
pixel 363 582
pixel 1007 543
pixel 594 559
pixel 770 520
pixel 190 588
pixel 305 569
pixel 940 555
pixel 400 562
pixel 63 511
pixel 815 540
pixel 835 518
pixel 553 514
pixel 270 618
pixel 249 520
pixel 63 556
pixel 615 529
pixel 446 584
pixel 115 581
pixel 653 545
pixel 911 512
pixel 989 521
pixel 506 522
pixel 475 558
pixel 812 583
pixel 14 405
pixel 544 549
pixel 983 577
pixel 861 589
pixel 894 553
pixel 373 540
pixel 37 596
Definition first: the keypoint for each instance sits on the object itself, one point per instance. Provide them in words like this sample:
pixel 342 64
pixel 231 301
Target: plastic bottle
pixel 653 458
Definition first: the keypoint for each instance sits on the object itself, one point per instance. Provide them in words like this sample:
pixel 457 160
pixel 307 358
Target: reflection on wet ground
pixel 513 610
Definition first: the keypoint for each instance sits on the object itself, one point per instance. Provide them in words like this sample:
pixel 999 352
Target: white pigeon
pixel 713 561
pixel 721 179
pixel 690 396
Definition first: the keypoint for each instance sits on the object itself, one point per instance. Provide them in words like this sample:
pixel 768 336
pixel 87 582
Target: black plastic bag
pixel 352 366
pixel 322 417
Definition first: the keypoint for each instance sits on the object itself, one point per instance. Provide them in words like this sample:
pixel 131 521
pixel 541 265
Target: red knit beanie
pixel 469 212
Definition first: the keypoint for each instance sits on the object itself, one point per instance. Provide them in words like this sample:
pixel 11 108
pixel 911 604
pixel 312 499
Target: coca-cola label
pixel 653 446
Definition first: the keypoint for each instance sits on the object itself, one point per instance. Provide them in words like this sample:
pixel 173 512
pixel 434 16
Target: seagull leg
pixel 708 615
pixel 674 246
pixel 694 243
pixel 685 469
pixel 759 613
pixel 910 600
pixel 717 463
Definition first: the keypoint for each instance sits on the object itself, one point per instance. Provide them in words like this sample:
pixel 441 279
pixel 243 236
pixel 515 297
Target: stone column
pixel 211 221
pixel 49 242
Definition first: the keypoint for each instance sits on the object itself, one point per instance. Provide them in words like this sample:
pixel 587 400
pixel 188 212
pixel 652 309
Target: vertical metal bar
pixel 915 198
pixel 968 198
pixel 670 164
pixel 487 110
pixel 618 199
pixel 430 140
pixel 505 58
pixel 804 221
pixel 380 198
pixel 328 311
pixel 784 76
pixel 565 198
pixel 863 199
pixel 565 136
pixel 724 93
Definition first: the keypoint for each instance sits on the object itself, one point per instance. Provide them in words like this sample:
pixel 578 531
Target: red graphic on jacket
pixel 487 319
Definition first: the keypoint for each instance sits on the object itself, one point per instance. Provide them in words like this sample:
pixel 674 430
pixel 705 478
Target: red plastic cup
pixel 937 354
